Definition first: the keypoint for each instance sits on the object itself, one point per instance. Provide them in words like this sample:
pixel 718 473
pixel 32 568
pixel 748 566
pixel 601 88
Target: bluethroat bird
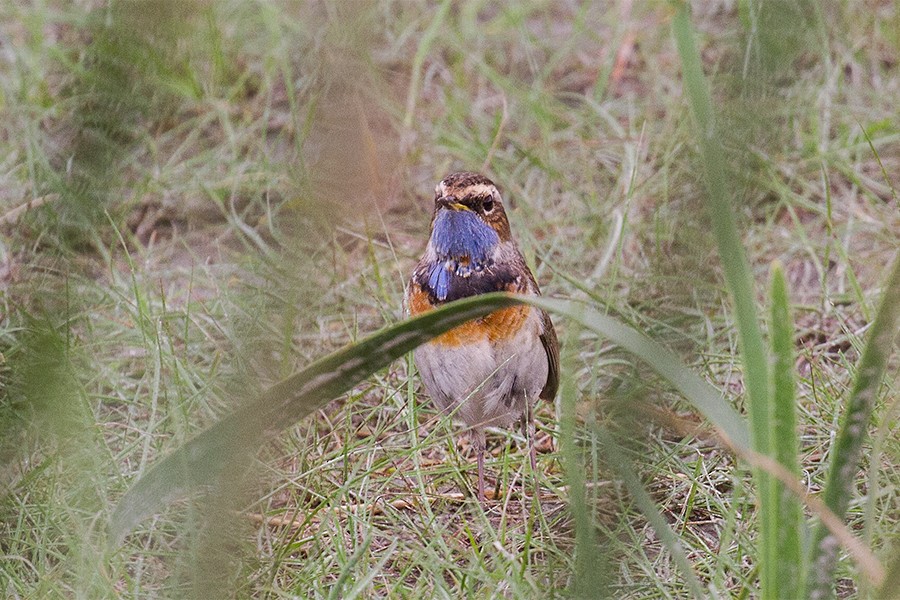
pixel 489 371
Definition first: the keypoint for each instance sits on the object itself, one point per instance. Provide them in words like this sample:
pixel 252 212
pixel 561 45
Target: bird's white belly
pixel 484 383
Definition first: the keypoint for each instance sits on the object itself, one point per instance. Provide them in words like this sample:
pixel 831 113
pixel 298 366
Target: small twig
pixel 626 48
pixel 13 215
pixel 623 56
pixel 275 521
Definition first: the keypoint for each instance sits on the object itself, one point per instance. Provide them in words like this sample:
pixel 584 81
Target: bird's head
pixel 468 227
pixel 468 216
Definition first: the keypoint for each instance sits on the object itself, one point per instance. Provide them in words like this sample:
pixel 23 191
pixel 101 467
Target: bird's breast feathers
pixel 506 272
pixel 462 245
pixel 499 326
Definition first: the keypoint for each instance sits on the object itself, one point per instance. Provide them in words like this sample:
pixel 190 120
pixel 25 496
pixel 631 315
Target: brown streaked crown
pixel 478 193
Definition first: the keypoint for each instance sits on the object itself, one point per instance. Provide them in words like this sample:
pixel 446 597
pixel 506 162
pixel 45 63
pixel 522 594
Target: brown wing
pixel 551 347
pixel 548 338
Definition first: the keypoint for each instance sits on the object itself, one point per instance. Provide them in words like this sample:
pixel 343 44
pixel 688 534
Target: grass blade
pixel 363 585
pixel 783 549
pixel 862 555
pixel 202 460
pixel 737 271
pixel 847 451
pixel 338 588
pixel 703 396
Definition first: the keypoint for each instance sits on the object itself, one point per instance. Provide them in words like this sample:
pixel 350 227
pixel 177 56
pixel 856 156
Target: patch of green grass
pixel 266 195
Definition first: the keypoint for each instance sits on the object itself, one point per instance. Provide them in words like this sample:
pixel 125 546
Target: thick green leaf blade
pixel 703 396
pixel 731 252
pixel 201 461
pixel 848 445
pixel 784 550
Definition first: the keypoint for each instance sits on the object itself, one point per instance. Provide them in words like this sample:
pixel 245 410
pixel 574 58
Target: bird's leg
pixel 528 431
pixel 479 443
pixel 528 426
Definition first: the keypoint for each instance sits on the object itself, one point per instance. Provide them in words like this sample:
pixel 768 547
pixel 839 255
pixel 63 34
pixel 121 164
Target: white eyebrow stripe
pixel 471 191
pixel 480 189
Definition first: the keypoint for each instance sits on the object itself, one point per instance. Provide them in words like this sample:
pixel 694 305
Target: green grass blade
pixel 337 590
pixel 735 266
pixel 848 446
pixel 201 461
pixel 731 252
pixel 363 585
pixel 703 396
pixel 784 548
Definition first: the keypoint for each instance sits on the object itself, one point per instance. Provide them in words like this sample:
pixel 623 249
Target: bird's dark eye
pixel 488 205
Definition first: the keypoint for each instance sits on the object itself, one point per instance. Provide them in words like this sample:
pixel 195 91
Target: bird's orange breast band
pixel 499 325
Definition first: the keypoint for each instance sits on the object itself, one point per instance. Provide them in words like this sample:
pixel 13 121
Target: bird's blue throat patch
pixel 463 243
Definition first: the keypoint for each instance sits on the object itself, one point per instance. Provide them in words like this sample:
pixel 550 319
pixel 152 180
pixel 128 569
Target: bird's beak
pixel 451 203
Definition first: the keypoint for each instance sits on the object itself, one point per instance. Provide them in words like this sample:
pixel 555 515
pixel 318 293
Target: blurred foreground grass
pixel 199 200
